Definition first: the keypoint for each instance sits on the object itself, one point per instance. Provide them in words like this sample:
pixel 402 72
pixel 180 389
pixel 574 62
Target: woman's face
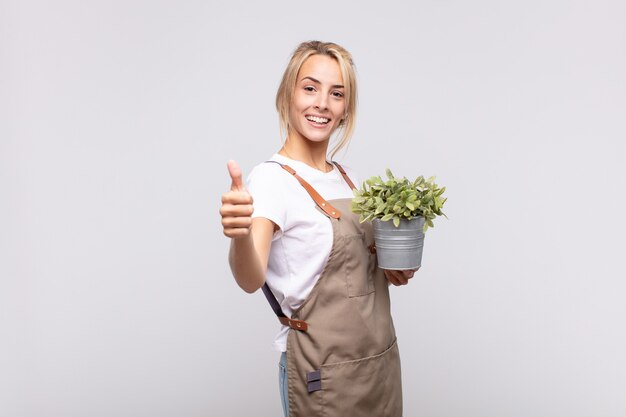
pixel 318 102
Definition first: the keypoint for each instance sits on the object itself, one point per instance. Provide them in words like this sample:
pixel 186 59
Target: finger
pixel 236 222
pixel 395 281
pixel 236 210
pixel 392 278
pixel 235 233
pixel 408 273
pixel 237 197
pixel 235 175
pixel 399 275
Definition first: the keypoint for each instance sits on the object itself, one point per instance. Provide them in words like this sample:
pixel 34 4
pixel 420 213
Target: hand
pixel 399 277
pixel 236 210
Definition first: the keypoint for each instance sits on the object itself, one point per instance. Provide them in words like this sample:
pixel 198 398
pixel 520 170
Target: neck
pixel 312 154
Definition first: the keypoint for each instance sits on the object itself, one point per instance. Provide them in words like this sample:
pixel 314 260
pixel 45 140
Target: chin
pixel 318 136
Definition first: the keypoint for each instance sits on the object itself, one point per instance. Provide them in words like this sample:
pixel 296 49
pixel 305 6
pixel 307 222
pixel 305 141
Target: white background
pixel 116 122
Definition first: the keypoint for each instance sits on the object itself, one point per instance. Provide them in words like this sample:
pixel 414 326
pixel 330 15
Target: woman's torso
pixel 301 247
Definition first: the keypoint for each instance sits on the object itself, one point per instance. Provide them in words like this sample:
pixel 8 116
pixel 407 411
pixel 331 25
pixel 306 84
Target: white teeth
pixel 317 119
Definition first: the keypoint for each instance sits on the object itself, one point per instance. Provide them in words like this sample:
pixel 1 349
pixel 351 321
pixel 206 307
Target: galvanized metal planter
pixel 399 247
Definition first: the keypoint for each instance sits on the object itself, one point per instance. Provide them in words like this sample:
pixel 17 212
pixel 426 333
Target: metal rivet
pixel 334 213
pixel 323 204
pixel 298 324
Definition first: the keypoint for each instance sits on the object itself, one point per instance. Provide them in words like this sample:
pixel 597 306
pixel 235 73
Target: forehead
pixel 323 68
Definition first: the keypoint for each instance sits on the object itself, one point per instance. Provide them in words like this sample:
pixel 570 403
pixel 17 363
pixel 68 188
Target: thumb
pixel 235 175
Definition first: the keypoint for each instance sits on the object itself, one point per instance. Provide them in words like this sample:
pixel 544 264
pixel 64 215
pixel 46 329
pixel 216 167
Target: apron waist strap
pixel 294 324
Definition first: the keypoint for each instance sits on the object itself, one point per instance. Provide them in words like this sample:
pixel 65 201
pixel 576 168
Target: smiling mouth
pixel 317 120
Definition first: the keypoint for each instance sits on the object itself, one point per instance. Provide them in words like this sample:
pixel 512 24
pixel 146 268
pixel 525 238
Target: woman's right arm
pixel 250 238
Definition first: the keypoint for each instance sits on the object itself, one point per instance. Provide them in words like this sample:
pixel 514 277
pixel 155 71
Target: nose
pixel 321 101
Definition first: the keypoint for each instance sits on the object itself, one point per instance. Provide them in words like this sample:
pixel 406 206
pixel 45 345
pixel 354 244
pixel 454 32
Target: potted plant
pixel 401 212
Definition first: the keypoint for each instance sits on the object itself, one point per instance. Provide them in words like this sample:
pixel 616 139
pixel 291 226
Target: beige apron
pixel 342 356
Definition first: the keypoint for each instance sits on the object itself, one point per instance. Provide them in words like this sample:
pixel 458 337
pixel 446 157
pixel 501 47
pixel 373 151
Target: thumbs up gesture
pixel 236 210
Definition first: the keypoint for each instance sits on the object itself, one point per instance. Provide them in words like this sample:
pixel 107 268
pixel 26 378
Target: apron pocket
pixel 359 280
pixel 369 387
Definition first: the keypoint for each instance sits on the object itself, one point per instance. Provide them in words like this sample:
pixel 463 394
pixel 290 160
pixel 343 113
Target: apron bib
pixel 342 355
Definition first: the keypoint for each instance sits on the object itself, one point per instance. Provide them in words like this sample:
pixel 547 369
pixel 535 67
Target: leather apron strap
pixel 344 175
pixel 330 211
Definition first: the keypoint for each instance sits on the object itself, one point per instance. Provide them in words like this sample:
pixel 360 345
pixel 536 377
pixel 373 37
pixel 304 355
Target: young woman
pixel 294 235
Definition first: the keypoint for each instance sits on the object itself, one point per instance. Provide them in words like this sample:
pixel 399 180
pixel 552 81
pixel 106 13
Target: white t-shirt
pixel 301 247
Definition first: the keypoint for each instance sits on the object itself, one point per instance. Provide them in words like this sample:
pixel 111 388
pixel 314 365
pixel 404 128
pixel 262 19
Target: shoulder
pixel 266 172
pixel 269 180
pixel 351 173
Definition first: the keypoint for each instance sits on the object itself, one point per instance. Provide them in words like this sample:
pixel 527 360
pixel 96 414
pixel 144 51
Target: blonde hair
pixel 288 83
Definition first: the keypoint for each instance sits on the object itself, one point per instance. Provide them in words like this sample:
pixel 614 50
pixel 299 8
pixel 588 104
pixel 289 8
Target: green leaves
pixel 387 217
pixel 399 198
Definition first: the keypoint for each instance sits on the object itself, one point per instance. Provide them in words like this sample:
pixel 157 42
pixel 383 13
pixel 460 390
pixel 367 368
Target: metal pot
pixel 399 247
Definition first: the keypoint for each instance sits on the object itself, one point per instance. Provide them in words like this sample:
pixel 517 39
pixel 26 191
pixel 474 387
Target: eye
pixel 309 88
pixel 337 94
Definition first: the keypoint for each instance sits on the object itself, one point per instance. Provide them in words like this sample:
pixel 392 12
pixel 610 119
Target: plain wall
pixel 116 122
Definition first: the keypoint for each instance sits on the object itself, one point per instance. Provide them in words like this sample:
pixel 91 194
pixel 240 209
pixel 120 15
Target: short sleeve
pixel 263 184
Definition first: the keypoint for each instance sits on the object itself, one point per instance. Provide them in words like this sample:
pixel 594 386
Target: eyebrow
pixel 318 82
